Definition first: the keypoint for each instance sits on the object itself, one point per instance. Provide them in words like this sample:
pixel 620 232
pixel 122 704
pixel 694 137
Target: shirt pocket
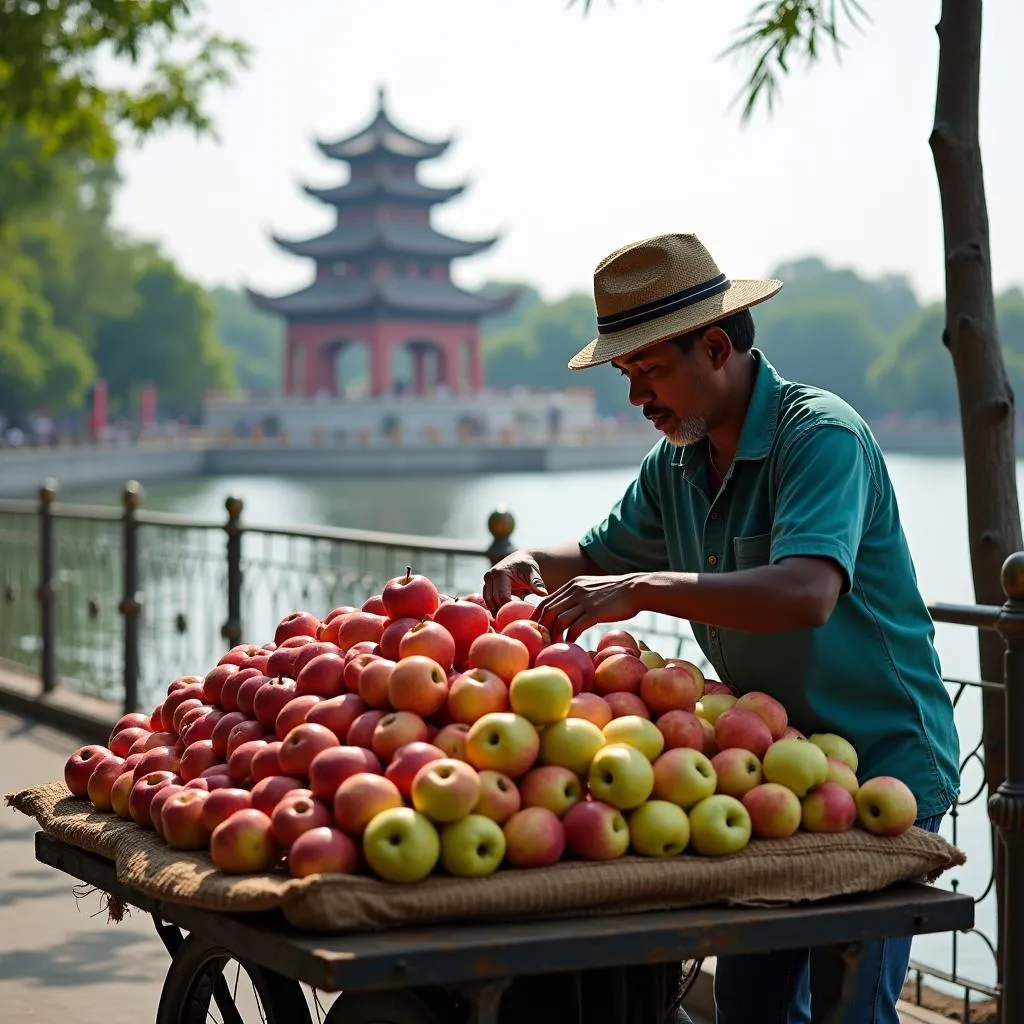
pixel 752 552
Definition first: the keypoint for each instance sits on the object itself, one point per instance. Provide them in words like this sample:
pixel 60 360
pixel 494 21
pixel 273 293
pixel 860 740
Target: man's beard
pixel 687 431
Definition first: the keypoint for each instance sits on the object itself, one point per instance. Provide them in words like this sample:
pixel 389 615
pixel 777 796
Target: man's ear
pixel 718 346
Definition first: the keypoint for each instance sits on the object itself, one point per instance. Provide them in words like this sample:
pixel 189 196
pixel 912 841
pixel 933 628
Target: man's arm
pixel 560 563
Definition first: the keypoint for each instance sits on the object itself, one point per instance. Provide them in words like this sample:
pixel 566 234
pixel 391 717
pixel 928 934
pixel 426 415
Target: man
pixel 764 516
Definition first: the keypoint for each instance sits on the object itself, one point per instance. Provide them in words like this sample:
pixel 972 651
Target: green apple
pixel 502 741
pixel 401 845
pixel 795 764
pixel 473 847
pixel 712 705
pixel 445 790
pixel 658 828
pixel 684 776
pixel 542 695
pixel 719 825
pixel 638 732
pixel 620 776
pixel 837 747
pixel 571 743
pixel 652 659
pixel 886 806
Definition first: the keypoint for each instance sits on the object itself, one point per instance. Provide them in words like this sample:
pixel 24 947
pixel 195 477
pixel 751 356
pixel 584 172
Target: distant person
pixel 766 517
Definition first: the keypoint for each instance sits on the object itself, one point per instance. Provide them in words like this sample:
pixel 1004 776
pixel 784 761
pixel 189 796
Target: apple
pixel 323 676
pixel 621 776
pixel 337 713
pixel 192 691
pixel 102 779
pixel 652 659
pixel 572 660
pixel 609 652
pixel 120 791
pixel 638 732
pixel 295 813
pixel 181 681
pixel 713 705
pixel 222 730
pixel 197 758
pixel 511 611
pixel 428 640
pixel 373 604
pixel 839 772
pixel 310 651
pixel 792 733
pixel 418 684
pixel 360 733
pixel 181 822
pixel 829 808
pixel 452 740
pixel 240 655
pixel 837 747
pixel 681 729
pixel 592 708
pixel 268 793
pixel 473 846
pixel 465 621
pixel 294 713
pixel 243 843
pixel 738 771
pixel 717 686
pixel 354 666
pixel 595 831
pixel 744 729
pixel 719 825
pixel 244 732
pixel 199 724
pixel 81 764
pixel 710 747
pixel 124 741
pixel 396 729
pixel 142 793
pixel 348 630
pixel 342 609
pixel 621 673
pixel 156 720
pixel 213 682
pixel 499 796
pixel 503 742
pixel 618 638
pixel 672 688
pixel 301 745
pixel 503 655
pixel 331 767
pixel 153 740
pixel 370 676
pixel 571 743
pixel 774 810
pixel 623 703
pixel 796 764
pixel 156 805
pixel 401 845
pixel 270 698
pixel 281 663
pixel 886 806
pixel 445 790
pixel 475 598
pixel 221 804
pixel 408 760
pixel 362 647
pixel 475 693
pixel 541 695
pixel 659 828
pixel 360 798
pixel 409 596
pixel 771 711
pixel 158 759
pixel 240 760
pixel 534 636
pixel 192 704
pixel 534 838
pixel 132 720
pixel 322 851
pixel 245 695
pixel 684 776
pixel 296 624
pixel 552 787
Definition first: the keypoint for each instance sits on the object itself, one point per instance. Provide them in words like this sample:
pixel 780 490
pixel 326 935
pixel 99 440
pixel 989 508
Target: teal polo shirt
pixel 808 479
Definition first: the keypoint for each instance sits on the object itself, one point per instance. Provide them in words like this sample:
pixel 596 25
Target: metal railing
pixel 115 602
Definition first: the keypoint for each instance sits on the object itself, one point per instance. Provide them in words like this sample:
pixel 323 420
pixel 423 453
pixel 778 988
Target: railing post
pixel 500 524
pixel 131 602
pixel 1006 805
pixel 47 592
pixel 231 631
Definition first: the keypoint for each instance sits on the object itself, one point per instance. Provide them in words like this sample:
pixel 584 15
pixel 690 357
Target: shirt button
pixel 712 632
pixel 712 559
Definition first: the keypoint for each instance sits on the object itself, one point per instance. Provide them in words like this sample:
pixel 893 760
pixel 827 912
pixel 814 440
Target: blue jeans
pixel 777 988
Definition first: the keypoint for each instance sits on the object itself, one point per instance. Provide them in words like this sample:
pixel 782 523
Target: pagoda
pixel 383 275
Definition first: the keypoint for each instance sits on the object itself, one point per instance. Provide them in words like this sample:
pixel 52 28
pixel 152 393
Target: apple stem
pixel 408 573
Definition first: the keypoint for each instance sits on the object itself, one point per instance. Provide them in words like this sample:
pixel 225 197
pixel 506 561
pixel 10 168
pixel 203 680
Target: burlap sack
pixel 768 872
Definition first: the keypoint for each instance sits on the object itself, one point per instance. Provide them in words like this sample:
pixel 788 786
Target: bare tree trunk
pixel 986 399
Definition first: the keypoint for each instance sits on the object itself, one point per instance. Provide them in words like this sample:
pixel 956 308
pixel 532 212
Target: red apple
pixel 294 713
pixel 409 596
pixel 193 691
pixel 623 704
pixel 214 681
pixel 181 820
pixel 192 704
pixel 265 762
pixel 323 675
pixel 499 796
pixel 573 661
pixel 156 805
pixel 337 713
pixel 595 831
pixel 322 851
pixel 268 793
pixel 374 604
pixel 534 838
pixel 347 630
pixel 452 740
pixel 301 745
pixel 310 651
pixel 354 669
pixel 745 729
pixel 270 698
pixel 510 611
pixel 182 681
pixel 133 720
pixel 591 707
pixel 240 760
pixel 396 729
pixel 408 760
pixel 610 652
pixel 156 721
pixel 768 708
pixel 156 760
pixel 142 794
pixel 363 647
pixel 101 780
pixel 503 655
pixel 374 679
pixel 476 598
pixel 200 725
pixel 243 732
pixel 393 633
pixel 427 639
pixel 360 733
pixel 197 758
pixel 417 683
pixel 239 654
pixel 618 638
pixel 670 688
pixel 681 729
pixel 245 695
pixel 342 609
pixel 222 803
pixel 222 730
pixel 331 767
pixel 153 740
pixel 296 624
pixel 532 634
pixel 228 699
pixel 465 621
pixel 295 813
pixel 282 660
pixel 243 843
pixel 124 741
pixel 621 673
pixel 360 798
pixel 475 693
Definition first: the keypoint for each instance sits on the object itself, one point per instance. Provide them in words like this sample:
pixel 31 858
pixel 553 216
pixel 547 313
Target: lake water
pixel 553 508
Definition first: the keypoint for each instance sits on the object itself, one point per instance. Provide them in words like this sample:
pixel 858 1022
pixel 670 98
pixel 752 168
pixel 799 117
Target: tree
pixel 254 337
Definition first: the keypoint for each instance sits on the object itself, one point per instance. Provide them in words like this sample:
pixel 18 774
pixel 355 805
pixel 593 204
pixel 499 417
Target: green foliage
pixel 253 336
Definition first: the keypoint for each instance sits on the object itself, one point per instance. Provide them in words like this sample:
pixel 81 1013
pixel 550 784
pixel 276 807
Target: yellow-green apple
pixel 331 767
pixel 475 693
pixel 452 739
pixel 621 673
pixel 595 831
pixel 240 760
pixel 672 688
pixel 683 776
pixel 375 604
pixel 551 786
pixel 719 825
pixel 323 675
pixel 222 730
pixel 499 796
pixel 412 595
pixel 392 635
pixel 503 742
pixel 360 798
pixel 541 695
pixel 374 681
pixel 681 729
pixel 836 746
pixel 793 733
pixel 408 760
pixel 295 813
pixel 886 806
pixel 532 634
pixel 465 621
pixel 652 659
pixel 123 742
pixel 771 711
pixel 396 729
pixel 717 686
pixel 337 713
pixel 618 638
pixel 510 611
pixel 840 773
pixel 356 627
pixel 401 845
pixel 502 655
pixel 738 771
pixel 712 705
pixel 621 776
pixel 360 732
pixel 445 790
pixel 197 758
pixel 623 703
pixel 181 823
pixel 591 707
pixel 428 639
pixel 534 838
pixel 638 732
pixel 270 698
pixel 744 729
pixel 418 684
pixel 102 779
pixel 268 793
pixel 829 808
pixel 81 764
pixel 322 851
pixel 571 743
pixel 243 843
pixel 472 847
pixel 159 759
pixel 659 828
pixel 142 793
pixel 156 805
pixel 294 713
pixel 297 623
pixel 797 764
pixel 774 811
pixel 221 804
pixel 301 745
pixel 572 660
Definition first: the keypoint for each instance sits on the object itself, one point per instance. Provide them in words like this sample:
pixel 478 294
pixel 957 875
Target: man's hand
pixel 513 576
pixel 586 601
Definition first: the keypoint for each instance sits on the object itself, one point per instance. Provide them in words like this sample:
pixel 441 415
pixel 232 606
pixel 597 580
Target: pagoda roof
pixel 382 186
pixel 413 239
pixel 382 137
pixel 324 300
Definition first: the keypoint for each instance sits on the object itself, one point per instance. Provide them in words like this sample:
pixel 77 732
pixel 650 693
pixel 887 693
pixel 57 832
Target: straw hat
pixel 657 289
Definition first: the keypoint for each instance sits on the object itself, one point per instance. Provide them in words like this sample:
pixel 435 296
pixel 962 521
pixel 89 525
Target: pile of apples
pixel 419 733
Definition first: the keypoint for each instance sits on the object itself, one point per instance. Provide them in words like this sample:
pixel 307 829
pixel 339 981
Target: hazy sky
pixel 578 135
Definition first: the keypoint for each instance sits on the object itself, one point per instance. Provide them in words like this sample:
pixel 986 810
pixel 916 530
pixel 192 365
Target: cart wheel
pixel 198 990
pixel 398 1007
